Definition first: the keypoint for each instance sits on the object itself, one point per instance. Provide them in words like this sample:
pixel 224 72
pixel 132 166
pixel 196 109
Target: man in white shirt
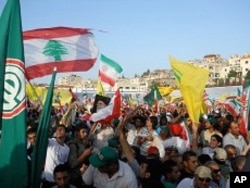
pixel 106 171
pixel 233 137
pixel 202 179
pixel 57 153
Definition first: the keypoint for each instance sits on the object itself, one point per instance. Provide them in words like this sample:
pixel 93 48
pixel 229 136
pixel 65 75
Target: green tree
pixel 232 73
pixel 55 49
pixel 247 77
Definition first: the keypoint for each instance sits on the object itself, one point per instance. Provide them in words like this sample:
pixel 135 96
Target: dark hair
pixel 218 138
pixel 81 126
pixel 61 168
pixel 141 118
pixel 31 130
pixel 168 166
pixel 154 121
pixel 63 126
pixel 238 161
pixel 187 154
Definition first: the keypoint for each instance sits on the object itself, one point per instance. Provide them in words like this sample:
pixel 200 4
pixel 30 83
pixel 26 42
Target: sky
pixel 142 34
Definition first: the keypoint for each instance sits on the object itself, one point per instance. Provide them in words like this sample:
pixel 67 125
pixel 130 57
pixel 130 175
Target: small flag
pixel 100 90
pixel 152 96
pixel 109 70
pixel 40 148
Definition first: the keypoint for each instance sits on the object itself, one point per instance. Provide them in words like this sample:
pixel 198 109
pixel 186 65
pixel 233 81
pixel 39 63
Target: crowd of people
pixel 142 148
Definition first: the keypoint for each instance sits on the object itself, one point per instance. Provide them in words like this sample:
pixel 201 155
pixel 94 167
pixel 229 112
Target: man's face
pixel 100 105
pixel 216 172
pixel 213 143
pixel 83 134
pixel 62 179
pixel 175 174
pixel 32 138
pixel 138 123
pixel 201 182
pixel 234 129
pixel 231 153
pixel 60 132
pixel 191 164
pixel 105 169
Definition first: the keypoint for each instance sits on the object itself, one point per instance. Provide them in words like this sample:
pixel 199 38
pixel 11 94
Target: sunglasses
pixel 204 179
pixel 216 171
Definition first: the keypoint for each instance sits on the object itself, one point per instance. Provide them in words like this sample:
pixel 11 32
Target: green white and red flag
pixel 67 49
pixel 13 140
pixel 245 99
pixel 109 70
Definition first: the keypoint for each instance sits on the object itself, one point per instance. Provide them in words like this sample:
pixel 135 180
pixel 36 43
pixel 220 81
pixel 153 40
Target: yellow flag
pixel 131 101
pixel 192 81
pixel 165 91
pixel 100 90
pixel 35 93
pixel 61 97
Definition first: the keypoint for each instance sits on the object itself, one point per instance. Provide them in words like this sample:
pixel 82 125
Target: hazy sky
pixel 142 34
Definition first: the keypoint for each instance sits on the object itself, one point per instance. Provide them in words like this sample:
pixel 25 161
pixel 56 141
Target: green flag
pixel 39 154
pixel 153 96
pixel 13 143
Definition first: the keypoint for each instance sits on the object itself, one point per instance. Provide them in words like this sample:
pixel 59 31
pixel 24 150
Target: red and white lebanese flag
pixel 109 112
pixel 68 49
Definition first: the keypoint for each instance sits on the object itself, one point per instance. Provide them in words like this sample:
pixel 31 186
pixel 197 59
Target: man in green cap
pixel 106 170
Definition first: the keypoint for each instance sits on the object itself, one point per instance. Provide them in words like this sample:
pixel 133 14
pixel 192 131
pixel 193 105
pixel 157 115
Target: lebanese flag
pixel 68 49
pixel 109 70
pixel 110 112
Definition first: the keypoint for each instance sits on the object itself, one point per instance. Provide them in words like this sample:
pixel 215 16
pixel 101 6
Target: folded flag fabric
pixel 112 110
pixel 67 49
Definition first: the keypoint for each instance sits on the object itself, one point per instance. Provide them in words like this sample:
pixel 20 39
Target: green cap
pixel 212 120
pixel 113 142
pixel 103 157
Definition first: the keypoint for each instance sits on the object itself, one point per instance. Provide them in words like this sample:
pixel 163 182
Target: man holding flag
pixel 13 160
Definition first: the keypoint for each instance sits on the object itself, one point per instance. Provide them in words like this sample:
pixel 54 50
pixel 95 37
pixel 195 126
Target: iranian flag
pixel 233 106
pixel 244 127
pixel 67 49
pixel 109 112
pixel 109 70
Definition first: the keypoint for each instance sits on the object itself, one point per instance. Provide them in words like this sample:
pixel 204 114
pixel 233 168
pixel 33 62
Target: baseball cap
pixel 220 154
pixel 103 157
pixel 212 120
pixel 152 150
pixel 203 172
pixel 113 142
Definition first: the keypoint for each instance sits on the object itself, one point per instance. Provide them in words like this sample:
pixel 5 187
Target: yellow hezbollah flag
pixel 100 90
pixel 165 91
pixel 131 101
pixel 192 81
pixel 60 97
pixel 35 93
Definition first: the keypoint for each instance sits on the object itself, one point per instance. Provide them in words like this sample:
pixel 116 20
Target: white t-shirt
pixel 56 154
pixel 124 177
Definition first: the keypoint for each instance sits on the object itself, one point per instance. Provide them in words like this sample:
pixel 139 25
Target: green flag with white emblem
pixel 13 157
